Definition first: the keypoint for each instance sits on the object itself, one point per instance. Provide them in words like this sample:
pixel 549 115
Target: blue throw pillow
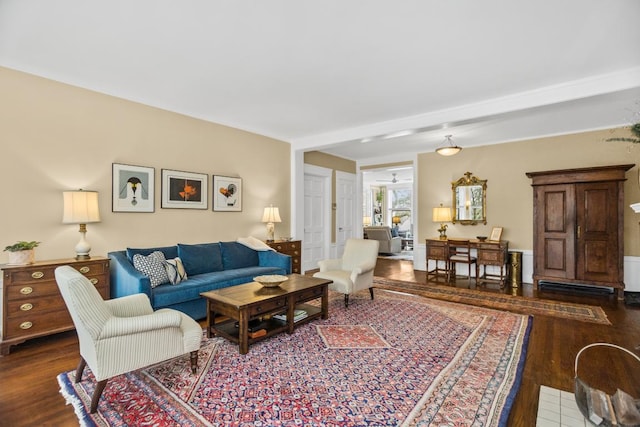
pixel 236 255
pixel 200 258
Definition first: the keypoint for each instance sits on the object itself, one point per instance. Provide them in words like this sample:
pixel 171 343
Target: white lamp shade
pixel 80 207
pixel 441 214
pixel 271 214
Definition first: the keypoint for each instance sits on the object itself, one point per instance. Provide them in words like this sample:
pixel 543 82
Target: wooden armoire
pixel 578 225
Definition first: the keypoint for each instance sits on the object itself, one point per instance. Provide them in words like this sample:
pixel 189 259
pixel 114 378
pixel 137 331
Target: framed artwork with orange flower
pixel 184 190
pixel 227 193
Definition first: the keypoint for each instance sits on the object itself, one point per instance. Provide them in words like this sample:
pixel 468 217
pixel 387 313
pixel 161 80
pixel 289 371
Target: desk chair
pixel 460 252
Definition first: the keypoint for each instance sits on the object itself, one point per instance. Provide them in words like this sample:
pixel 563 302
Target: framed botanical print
pixel 132 188
pixel 184 190
pixel 227 193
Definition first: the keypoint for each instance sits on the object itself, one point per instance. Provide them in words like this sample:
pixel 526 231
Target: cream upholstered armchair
pixel 354 271
pixel 123 334
pixel 382 233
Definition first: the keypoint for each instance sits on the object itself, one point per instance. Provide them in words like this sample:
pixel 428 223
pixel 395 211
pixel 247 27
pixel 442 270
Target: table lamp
pixel 81 207
pixel 395 220
pixel 270 216
pixel 442 215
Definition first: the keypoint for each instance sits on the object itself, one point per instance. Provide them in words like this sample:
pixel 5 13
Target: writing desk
pixel 487 253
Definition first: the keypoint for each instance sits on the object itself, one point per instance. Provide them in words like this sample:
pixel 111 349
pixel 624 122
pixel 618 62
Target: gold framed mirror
pixel 469 200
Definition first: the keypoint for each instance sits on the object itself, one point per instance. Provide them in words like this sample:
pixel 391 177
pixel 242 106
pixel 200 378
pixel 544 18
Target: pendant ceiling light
pixel 449 149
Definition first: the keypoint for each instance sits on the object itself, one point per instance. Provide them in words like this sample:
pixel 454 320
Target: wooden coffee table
pixel 253 302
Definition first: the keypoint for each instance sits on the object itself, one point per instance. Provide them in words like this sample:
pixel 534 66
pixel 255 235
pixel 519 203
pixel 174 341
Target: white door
pixel 317 196
pixel 346 199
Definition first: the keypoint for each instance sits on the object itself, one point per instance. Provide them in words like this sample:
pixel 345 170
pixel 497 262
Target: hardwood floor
pixel 29 393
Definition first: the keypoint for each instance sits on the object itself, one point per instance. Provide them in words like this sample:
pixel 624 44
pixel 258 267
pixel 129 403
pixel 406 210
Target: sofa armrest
pixel 274 259
pixel 125 279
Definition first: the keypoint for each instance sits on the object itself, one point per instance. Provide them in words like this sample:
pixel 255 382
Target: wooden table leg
pixel 324 302
pixel 243 332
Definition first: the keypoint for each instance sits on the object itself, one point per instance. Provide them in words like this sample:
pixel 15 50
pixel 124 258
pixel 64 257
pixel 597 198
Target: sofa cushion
pixel 152 266
pixel 200 258
pixel 169 252
pixel 236 255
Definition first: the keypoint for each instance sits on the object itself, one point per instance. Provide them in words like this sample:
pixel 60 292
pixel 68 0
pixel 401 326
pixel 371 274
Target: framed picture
pixel 184 190
pixel 227 193
pixel 496 233
pixel 132 188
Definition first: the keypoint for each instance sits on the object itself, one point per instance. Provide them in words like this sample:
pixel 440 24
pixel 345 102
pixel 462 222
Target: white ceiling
pixel 325 74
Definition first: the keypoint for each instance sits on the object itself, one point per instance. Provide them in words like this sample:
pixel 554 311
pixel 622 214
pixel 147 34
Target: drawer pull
pixel 93 280
pixel 26 290
pixel 26 306
pixel 85 269
pixel 26 325
pixel 37 274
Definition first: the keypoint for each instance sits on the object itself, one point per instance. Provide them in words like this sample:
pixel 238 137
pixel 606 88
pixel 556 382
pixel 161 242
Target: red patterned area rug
pixel 397 360
pixel 517 304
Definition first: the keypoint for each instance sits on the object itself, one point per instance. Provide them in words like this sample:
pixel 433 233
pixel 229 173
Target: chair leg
pixel 194 361
pixel 371 292
pixel 346 300
pixel 80 369
pixel 96 395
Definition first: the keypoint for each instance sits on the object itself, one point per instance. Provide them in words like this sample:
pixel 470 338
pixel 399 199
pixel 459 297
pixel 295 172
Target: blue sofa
pixel 209 266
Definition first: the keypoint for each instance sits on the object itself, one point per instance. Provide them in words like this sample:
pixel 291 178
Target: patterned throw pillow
pixel 175 270
pixel 152 266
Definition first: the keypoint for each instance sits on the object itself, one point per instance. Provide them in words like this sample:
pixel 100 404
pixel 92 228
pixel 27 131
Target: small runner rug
pixel 397 360
pixel 517 304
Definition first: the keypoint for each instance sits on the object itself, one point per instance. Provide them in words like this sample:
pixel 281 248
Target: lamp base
pixel 82 256
pixel 443 231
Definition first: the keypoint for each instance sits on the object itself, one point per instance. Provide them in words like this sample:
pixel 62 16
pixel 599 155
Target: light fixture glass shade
pixel 80 207
pixel 450 149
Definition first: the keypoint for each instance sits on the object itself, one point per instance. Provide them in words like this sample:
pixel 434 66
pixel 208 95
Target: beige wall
pixel 509 191
pixel 56 137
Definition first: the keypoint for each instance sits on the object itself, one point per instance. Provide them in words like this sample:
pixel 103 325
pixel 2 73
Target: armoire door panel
pixel 555 256
pixel 555 231
pixel 597 239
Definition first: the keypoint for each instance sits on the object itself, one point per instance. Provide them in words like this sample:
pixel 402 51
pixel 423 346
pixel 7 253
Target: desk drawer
pixel 308 295
pixel 267 306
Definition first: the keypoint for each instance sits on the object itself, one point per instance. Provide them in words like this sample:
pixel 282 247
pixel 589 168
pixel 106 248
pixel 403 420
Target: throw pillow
pixel 152 266
pixel 175 270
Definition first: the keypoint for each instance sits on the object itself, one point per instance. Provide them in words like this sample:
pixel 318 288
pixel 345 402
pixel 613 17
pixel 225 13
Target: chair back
pixel 378 232
pixel 85 304
pixel 460 250
pixel 359 251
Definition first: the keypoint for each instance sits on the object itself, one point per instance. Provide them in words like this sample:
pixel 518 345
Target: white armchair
pixel 123 334
pixel 354 271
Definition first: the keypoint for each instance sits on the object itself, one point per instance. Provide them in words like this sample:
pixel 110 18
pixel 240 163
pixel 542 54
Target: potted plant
pixel 22 252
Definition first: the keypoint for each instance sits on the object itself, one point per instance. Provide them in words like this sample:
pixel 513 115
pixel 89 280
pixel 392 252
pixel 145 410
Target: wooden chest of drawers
pixel 31 303
pixel 292 248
